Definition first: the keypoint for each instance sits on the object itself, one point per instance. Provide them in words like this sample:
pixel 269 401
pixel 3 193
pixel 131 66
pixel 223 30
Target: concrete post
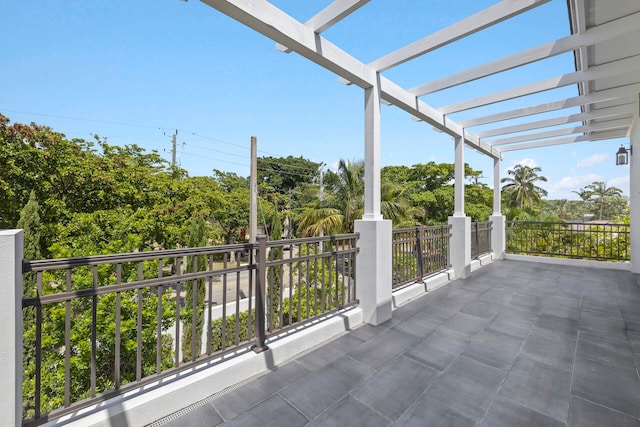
pixel 634 193
pixel 373 270
pixel 498 231
pixel 498 236
pixel 11 253
pixel 460 245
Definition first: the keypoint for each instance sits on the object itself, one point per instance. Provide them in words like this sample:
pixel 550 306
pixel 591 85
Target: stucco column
pixel 498 231
pixel 11 253
pixel 634 193
pixel 373 265
pixel 460 247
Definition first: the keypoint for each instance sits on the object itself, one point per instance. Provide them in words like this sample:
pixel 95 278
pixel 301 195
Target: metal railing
pixel 419 252
pixel 605 242
pixel 480 238
pixel 97 326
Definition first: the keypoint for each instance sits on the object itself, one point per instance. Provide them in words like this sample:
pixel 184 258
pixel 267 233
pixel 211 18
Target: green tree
pixel 30 222
pixel 522 189
pixel 194 293
pixel 274 275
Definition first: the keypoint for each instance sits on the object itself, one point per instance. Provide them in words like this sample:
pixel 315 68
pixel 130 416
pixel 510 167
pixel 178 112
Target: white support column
pixel 634 190
pixel 11 253
pixel 498 231
pixel 458 175
pixel 372 153
pixel 460 247
pixel 373 267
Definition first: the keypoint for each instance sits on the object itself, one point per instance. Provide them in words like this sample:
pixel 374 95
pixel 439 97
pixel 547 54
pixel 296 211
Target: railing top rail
pixel 315 239
pixel 422 227
pixel 568 223
pixel 62 263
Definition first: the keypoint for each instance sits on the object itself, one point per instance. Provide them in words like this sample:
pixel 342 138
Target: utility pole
pixel 253 189
pixel 173 149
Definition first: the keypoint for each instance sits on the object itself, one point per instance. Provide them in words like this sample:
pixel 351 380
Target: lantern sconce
pixel 622 156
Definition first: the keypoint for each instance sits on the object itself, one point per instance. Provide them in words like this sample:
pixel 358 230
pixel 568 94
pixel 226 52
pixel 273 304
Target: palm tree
pixel 343 202
pixel 522 188
pixel 600 194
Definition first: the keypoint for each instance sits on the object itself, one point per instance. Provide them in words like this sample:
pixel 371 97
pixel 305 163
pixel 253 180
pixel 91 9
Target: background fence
pixel 419 252
pixel 606 242
pixel 480 238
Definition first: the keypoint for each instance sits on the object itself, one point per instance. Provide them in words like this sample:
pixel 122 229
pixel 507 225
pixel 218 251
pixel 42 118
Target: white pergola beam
pixel 614 68
pixel 550 142
pixel 481 20
pixel 329 16
pixel 612 112
pixel 608 125
pixel 625 94
pixel 272 22
pixel 601 33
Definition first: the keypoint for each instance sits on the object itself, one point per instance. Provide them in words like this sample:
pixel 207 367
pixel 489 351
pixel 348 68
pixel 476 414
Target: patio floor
pixel 516 344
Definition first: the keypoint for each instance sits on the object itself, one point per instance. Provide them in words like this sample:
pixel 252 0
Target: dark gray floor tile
pixel 329 352
pixel 587 414
pixel 497 295
pixel 526 302
pixel 313 393
pixel 430 412
pixel 512 323
pixel 505 413
pixel 554 349
pixel 603 349
pixel 482 308
pixel 464 325
pixel 557 324
pixel 392 390
pixel 383 348
pixel 607 385
pixel 494 349
pixel 438 350
pixel 349 412
pixel 366 331
pixel 202 416
pixel 417 329
pixel 603 324
pixel 273 412
pixel 467 387
pixel 244 397
pixel 540 387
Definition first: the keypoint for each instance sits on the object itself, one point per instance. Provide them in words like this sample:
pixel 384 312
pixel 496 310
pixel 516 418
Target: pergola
pixel 603 40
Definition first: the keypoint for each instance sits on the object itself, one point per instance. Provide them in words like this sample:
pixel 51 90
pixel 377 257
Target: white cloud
pixel 620 182
pixel 563 188
pixel 596 159
pixel 574 182
pixel 524 162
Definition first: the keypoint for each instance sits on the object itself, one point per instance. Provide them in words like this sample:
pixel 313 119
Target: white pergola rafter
pixel 600 136
pixel 624 94
pixel 601 33
pixel 612 112
pixel 272 22
pixel 329 16
pixel 607 125
pixel 481 20
pixel 616 68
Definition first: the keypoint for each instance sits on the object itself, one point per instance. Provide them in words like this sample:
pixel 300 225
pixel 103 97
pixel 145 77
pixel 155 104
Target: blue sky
pixel 134 72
